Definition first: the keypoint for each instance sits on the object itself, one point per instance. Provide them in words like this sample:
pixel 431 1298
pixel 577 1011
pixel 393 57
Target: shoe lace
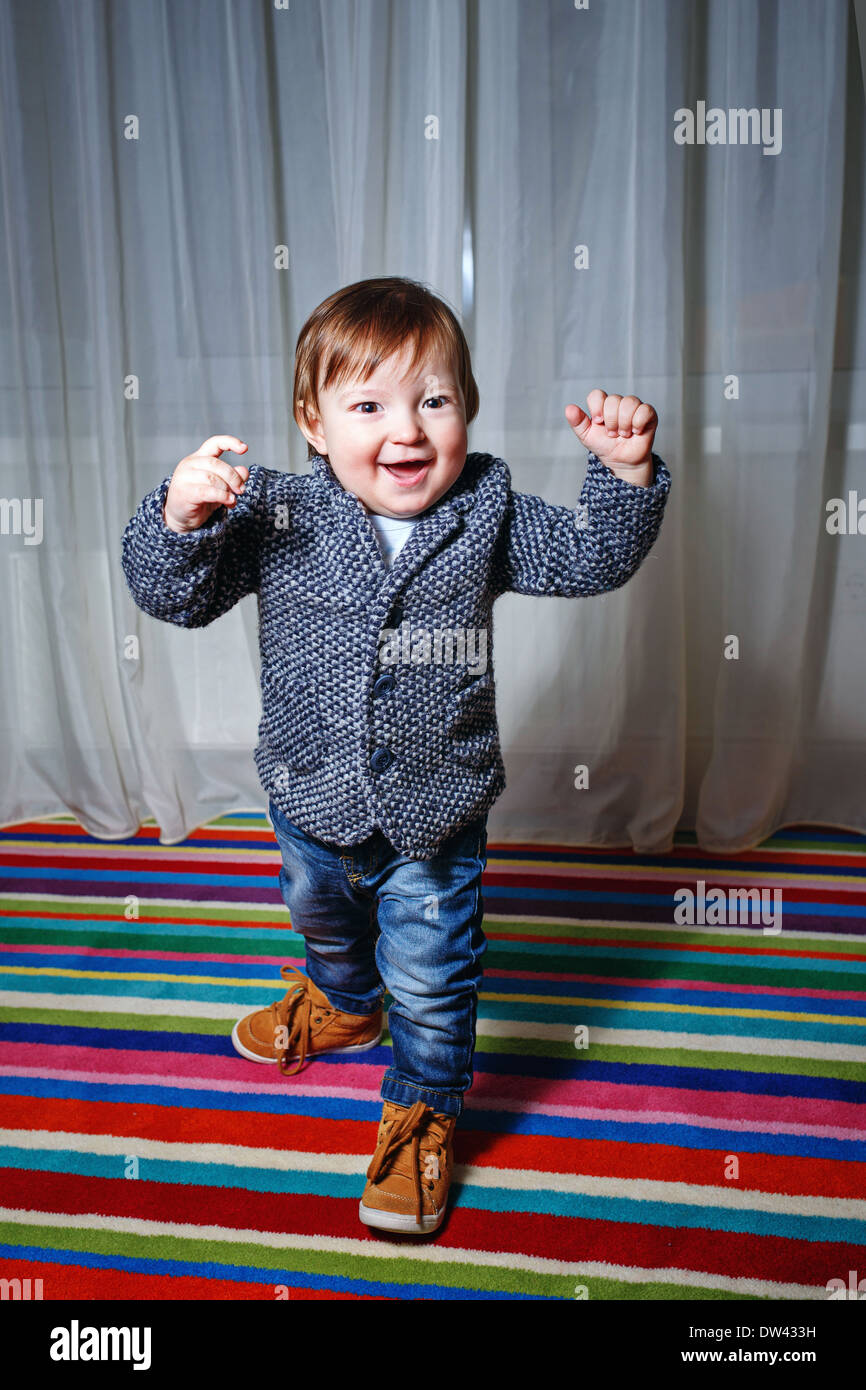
pixel 293 1013
pixel 410 1127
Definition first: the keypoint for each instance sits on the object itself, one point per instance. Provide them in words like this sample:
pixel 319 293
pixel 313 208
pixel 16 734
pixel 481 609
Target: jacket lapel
pixel 353 528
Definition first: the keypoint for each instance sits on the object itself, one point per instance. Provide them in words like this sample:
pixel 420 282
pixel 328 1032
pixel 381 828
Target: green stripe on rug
pixel 404 1269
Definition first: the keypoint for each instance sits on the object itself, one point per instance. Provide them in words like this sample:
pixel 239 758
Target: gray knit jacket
pixel 369 719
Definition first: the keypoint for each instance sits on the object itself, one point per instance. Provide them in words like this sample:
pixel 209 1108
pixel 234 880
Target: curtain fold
pixel 183 182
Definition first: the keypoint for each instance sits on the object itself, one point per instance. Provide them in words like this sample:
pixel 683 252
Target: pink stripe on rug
pixel 473 1102
pixel 549 1096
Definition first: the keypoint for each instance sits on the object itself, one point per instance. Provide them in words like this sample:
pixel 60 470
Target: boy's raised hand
pixel 202 482
pixel 619 429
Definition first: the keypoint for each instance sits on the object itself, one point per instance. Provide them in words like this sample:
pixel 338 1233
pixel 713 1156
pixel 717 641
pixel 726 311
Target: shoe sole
pixel 319 1052
pixel 398 1222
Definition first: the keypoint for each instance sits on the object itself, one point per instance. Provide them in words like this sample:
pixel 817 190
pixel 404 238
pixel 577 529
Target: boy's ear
pixel 310 426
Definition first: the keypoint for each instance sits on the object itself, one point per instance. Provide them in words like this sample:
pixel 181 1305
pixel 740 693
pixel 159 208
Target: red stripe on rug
pixel 779 1258
pixel 799 1176
pixel 65 1282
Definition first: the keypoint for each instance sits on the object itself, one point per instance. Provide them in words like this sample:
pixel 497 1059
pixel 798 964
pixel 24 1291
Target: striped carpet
pixel 708 1144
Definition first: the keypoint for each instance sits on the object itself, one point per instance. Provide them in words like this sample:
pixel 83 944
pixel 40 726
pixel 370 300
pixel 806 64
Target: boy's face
pixel 369 430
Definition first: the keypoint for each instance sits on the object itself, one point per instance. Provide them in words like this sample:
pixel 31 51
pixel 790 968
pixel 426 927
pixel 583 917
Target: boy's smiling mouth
pixel 409 472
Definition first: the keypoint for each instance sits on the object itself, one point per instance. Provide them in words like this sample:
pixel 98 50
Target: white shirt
pixel 392 533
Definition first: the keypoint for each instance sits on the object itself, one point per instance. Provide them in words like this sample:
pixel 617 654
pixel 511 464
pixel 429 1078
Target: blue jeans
pixel 374 920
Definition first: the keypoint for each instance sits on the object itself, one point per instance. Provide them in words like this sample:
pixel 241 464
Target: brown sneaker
pixel 303 1024
pixel 410 1172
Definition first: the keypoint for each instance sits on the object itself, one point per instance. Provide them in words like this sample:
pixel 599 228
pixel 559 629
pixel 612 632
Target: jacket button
pixel 381 759
pixel 385 684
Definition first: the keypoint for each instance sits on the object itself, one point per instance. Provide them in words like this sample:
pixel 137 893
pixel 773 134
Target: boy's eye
pixel 361 404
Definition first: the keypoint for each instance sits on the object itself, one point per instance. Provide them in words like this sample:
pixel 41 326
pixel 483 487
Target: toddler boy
pixel 376 575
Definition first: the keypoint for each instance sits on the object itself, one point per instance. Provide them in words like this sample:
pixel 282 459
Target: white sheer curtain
pixel 141 311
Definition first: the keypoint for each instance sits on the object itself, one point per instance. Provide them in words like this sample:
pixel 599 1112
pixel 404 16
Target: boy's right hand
pixel 202 482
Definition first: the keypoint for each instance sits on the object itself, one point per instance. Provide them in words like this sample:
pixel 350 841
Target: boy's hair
pixel 361 325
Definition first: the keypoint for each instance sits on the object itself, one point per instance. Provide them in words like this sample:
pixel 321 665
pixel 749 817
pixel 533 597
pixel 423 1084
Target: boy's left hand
pixel 619 430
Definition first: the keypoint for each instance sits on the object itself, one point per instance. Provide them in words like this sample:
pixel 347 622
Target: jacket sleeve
pixel 191 577
pixel 591 549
